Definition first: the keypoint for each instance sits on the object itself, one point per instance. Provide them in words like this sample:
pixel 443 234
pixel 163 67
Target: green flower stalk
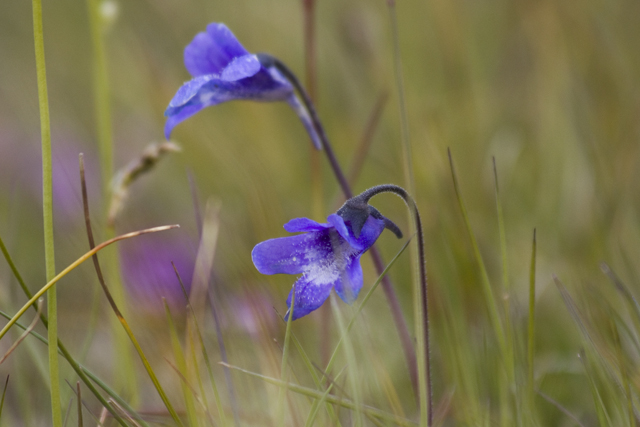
pixel 47 209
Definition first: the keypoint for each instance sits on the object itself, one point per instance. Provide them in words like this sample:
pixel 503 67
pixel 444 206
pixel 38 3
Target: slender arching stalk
pixel 362 202
pixel 398 318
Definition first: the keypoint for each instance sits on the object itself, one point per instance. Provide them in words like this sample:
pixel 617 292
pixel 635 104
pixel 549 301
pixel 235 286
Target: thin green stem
pixel 509 378
pixel 102 108
pixel 417 262
pixel 203 348
pixel 332 359
pixel 102 114
pixel 486 283
pixel 181 366
pixel 312 86
pixel 351 362
pixel 403 332
pixel 63 350
pixel 282 394
pixel 113 304
pixel 421 312
pixel 47 209
pixel 4 392
pixel 79 393
pixel 317 394
pixel 532 319
pixel 71 267
pixel 402 103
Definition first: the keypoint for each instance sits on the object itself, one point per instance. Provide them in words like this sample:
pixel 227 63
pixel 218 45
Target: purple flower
pixel 21 172
pixel 223 70
pixel 148 274
pixel 327 255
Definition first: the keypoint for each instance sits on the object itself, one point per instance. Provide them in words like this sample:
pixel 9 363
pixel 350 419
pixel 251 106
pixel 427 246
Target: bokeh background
pixel 550 89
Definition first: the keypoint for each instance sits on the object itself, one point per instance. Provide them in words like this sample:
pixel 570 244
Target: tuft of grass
pixel 490 301
pixel 362 304
pixel 203 348
pixel 344 403
pixel 82 372
pixel 352 364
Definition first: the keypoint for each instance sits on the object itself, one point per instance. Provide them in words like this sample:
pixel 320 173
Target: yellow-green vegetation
pixel 501 117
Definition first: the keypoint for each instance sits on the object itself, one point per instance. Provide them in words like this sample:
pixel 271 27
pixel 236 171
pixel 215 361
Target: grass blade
pixel 114 398
pixel 316 380
pixel 361 151
pixel 205 355
pixel 75 264
pixel 623 374
pixel 486 284
pixel 531 324
pixel 351 362
pixel 79 393
pixel 26 332
pixel 362 304
pixel 623 290
pixel 382 415
pixel 282 393
pixel 47 209
pixel 62 349
pixel 315 409
pixel 67 412
pixel 178 354
pixel 560 407
pixel 4 393
pixel 509 378
pixel 115 308
pixel 402 103
pixel 601 410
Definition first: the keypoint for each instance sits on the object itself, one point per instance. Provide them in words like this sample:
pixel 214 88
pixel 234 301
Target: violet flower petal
pixel 304 224
pixel 350 284
pixel 341 227
pixel 290 255
pixel 216 56
pixel 370 232
pixel 310 295
pixel 205 91
pixel 240 68
pixel 211 51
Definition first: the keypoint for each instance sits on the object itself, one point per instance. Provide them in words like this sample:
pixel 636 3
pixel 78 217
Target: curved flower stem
pixel 317 124
pixel 396 311
pixel 425 388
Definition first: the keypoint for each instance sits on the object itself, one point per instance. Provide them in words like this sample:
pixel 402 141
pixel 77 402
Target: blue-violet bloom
pixel 223 70
pixel 327 255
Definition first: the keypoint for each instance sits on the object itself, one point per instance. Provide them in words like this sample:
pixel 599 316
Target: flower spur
pixel 223 70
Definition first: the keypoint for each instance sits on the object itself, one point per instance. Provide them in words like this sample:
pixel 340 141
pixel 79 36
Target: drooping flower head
pixel 223 70
pixel 327 255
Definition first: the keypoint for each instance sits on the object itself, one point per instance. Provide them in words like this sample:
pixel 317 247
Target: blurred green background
pixel 551 89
